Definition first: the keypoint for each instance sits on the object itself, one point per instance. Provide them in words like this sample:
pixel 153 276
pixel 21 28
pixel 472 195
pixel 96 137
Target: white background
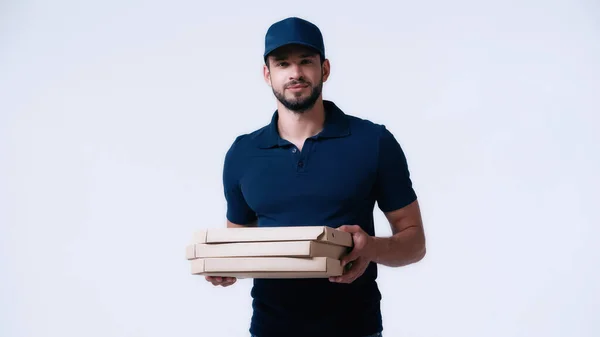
pixel 108 160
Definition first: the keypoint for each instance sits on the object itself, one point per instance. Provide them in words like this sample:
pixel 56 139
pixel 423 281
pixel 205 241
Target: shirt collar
pixel 336 125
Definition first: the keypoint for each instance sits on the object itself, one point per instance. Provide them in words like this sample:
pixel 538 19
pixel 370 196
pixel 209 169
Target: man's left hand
pixel 362 253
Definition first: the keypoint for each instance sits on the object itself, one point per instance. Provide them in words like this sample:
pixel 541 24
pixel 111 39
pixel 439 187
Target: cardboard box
pixel 269 252
pixel 274 249
pixel 267 267
pixel 270 234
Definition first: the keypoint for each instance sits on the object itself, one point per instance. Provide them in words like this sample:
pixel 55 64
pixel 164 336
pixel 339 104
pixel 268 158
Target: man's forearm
pixel 403 248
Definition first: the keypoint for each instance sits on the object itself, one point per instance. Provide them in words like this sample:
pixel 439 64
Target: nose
pixel 295 72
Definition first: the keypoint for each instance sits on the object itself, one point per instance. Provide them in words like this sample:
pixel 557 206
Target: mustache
pixel 293 83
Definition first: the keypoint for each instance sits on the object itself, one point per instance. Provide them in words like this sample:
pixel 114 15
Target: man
pixel 315 165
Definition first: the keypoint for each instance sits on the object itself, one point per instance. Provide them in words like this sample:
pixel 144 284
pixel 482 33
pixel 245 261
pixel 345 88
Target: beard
pixel 300 104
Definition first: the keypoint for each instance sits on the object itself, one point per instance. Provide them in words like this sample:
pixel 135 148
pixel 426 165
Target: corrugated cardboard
pixel 267 234
pixel 267 267
pixel 257 249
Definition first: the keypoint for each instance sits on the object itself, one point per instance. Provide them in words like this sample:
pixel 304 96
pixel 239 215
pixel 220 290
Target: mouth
pixel 297 87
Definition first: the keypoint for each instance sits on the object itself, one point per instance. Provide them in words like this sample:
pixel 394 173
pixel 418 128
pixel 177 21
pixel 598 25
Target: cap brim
pixel 269 51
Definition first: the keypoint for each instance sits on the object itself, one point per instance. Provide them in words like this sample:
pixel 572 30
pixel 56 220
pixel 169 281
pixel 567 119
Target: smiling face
pixel 296 76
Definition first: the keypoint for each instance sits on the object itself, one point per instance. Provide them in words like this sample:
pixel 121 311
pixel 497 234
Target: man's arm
pixel 237 209
pixel 398 201
pixel 407 244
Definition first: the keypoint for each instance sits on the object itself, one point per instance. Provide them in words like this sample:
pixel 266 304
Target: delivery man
pixel 313 164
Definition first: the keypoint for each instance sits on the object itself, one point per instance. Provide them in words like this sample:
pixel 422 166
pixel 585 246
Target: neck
pixel 296 127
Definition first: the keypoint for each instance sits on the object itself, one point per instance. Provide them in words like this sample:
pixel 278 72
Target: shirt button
pixel 294 150
pixel 300 163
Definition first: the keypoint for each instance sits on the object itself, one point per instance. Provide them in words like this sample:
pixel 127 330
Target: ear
pixel 326 68
pixel 267 74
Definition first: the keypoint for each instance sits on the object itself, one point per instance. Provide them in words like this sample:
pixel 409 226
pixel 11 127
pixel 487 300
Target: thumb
pixel 349 228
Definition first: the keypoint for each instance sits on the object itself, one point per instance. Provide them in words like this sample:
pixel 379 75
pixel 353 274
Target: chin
pixel 297 97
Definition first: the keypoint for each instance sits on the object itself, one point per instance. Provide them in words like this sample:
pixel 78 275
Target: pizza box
pixel 270 234
pixel 267 267
pixel 257 249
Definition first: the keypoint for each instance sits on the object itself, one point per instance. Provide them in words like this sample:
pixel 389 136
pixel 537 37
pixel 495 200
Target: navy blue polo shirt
pixel 336 179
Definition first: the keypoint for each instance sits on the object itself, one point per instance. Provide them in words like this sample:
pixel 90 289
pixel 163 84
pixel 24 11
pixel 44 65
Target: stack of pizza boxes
pixel 269 252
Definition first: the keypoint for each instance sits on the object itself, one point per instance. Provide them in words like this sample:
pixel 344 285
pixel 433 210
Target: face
pixel 296 76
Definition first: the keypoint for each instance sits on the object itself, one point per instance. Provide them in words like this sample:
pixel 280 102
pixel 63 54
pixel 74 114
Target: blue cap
pixel 294 31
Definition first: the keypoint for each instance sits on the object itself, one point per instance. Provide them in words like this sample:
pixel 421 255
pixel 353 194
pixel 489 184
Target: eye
pixel 306 61
pixel 282 64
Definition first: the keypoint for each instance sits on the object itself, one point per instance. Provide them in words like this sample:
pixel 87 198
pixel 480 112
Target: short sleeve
pixel 393 186
pixel 238 210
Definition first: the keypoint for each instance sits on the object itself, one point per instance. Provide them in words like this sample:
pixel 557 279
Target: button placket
pixel 301 157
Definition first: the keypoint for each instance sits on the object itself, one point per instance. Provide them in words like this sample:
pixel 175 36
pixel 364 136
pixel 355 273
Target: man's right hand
pixel 221 281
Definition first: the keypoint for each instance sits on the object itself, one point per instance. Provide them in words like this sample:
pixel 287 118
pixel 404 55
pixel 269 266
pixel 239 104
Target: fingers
pixel 348 277
pixel 356 251
pixel 353 255
pixel 349 228
pixel 229 281
pixel 358 268
pixel 222 281
pixel 214 280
